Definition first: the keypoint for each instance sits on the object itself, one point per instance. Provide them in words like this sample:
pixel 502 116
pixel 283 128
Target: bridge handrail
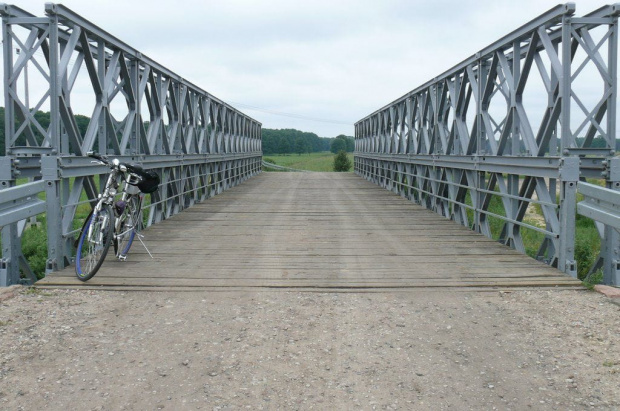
pixel 16 205
pixel 282 168
pixel 20 202
pixel 600 204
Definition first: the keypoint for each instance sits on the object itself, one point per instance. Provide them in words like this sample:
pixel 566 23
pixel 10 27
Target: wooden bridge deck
pixel 314 231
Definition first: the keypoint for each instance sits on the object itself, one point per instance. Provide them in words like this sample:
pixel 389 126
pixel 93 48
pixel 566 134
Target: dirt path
pixel 288 350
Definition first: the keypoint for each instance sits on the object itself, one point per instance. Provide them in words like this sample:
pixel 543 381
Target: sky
pixel 316 66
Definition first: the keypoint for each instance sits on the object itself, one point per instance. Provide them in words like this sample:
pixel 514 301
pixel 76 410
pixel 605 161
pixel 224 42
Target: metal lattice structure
pixel 514 126
pixel 142 112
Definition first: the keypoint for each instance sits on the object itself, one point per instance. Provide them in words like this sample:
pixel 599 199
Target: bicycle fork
pixel 99 236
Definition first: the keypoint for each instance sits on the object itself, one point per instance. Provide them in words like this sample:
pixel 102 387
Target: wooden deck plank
pixel 314 231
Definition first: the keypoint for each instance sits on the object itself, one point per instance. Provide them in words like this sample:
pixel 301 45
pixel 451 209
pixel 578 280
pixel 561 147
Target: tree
pixel 313 143
pixel 338 145
pixel 348 141
pixel 284 147
pixel 300 145
pixel 350 145
pixel 341 161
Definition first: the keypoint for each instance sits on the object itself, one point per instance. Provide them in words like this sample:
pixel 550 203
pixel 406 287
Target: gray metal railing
pixel 499 142
pixel 267 165
pixel 142 112
pixel 16 205
pixel 602 205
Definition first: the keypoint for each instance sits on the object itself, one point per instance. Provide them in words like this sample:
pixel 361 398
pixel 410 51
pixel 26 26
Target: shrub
pixel 341 161
pixel 593 279
pixel 34 248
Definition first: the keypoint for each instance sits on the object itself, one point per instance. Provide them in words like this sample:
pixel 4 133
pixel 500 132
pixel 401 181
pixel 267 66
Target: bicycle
pixel 110 221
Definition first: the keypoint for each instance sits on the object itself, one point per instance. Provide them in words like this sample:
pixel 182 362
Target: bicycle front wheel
pixel 130 224
pixel 94 243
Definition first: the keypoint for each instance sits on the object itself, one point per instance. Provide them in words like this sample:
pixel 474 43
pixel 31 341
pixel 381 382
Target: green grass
pixel 323 161
pixel 587 240
pixel 38 292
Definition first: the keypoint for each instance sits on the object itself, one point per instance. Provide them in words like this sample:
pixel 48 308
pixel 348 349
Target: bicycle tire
pixel 130 226
pixel 92 251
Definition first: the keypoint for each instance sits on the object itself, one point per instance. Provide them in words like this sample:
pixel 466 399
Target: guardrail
pixel 603 206
pixel 141 112
pixel 506 135
pixel 21 202
pixel 282 168
pixel 18 204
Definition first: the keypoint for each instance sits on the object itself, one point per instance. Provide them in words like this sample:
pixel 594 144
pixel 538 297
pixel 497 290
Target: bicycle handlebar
pixel 134 168
pixel 99 157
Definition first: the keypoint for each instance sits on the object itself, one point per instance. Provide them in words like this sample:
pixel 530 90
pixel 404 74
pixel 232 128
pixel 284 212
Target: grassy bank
pixel 323 161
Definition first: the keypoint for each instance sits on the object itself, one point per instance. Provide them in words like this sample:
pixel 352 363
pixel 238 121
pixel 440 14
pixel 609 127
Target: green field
pixel 323 161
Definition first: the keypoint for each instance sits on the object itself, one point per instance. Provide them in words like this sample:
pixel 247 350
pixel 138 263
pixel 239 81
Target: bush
pixel 338 145
pixel 587 245
pixel 341 161
pixel 593 279
pixel 34 248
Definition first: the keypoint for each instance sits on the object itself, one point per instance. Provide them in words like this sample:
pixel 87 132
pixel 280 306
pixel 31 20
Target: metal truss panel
pixel 142 112
pixel 470 144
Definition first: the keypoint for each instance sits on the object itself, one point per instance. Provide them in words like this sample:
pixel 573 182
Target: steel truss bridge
pixel 477 144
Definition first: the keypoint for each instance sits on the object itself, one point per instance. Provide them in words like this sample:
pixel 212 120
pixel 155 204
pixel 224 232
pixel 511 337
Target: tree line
pixel 291 141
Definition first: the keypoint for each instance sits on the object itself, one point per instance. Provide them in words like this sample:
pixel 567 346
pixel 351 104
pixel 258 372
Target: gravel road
pixel 420 349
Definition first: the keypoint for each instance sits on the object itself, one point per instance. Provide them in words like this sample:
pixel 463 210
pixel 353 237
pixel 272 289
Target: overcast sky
pixel 332 60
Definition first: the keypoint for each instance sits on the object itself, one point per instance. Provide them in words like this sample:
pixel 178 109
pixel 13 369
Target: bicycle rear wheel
pixel 94 243
pixel 131 223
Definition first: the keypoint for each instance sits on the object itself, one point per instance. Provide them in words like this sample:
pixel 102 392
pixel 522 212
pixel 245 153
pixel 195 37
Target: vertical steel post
pixel 610 243
pixel 49 164
pixel 480 182
pixel 11 242
pixel 565 85
pixel 9 115
pixel 569 171
pixel 11 247
pixel 611 271
pixel 513 231
pixel 610 247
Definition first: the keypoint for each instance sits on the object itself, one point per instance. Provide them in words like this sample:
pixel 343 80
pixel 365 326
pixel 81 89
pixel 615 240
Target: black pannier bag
pixel 149 183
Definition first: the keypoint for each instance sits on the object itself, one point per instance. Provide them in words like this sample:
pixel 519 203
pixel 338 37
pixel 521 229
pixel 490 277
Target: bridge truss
pixel 510 129
pixel 141 112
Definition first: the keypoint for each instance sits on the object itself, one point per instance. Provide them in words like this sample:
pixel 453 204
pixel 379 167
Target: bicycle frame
pixel 107 197
pixel 104 198
pixel 113 221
